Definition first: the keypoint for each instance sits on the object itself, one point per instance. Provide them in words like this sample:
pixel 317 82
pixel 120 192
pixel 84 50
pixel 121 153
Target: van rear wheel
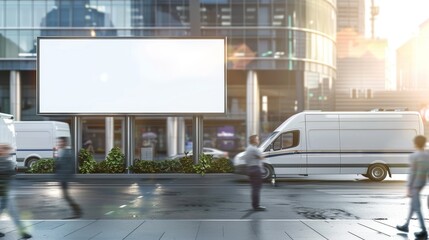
pixel 377 172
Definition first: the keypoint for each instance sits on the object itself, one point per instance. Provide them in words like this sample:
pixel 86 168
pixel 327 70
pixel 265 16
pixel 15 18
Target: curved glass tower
pixel 281 60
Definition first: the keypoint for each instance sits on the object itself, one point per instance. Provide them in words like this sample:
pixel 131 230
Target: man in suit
pixel 419 162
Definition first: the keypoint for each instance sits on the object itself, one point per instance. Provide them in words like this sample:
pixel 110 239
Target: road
pixel 211 197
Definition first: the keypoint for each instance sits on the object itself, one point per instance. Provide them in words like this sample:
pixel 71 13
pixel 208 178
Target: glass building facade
pixel 283 49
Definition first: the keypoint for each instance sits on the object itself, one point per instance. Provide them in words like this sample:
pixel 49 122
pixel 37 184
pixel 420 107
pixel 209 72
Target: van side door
pixel 370 138
pixel 323 144
pixel 285 153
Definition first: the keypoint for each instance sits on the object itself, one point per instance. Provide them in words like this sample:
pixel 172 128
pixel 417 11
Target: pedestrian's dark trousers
pixel 71 202
pixel 255 176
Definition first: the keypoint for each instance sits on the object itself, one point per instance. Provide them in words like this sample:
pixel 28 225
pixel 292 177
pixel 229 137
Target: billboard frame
pixel 117 113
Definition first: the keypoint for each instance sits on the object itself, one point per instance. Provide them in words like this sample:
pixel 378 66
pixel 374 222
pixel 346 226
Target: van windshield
pixel 268 140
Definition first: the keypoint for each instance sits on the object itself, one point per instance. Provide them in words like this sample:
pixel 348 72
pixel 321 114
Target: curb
pixel 129 176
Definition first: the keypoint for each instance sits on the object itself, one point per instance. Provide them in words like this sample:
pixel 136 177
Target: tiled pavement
pixel 210 229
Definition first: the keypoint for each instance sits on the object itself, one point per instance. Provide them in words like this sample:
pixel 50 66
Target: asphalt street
pixel 217 197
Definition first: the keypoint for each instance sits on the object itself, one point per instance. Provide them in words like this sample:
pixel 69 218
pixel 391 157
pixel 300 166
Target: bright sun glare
pixel 398 21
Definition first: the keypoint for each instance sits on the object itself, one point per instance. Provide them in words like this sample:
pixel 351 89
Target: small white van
pixel 37 139
pixel 373 144
pixel 7 133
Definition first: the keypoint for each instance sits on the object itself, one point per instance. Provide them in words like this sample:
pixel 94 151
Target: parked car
pixel 216 153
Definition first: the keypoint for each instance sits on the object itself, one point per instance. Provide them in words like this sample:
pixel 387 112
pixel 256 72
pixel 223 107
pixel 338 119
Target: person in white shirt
pixel 419 172
pixel 253 157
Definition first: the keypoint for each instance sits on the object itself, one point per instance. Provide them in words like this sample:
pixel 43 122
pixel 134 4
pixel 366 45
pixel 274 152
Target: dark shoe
pixel 77 211
pixel 78 214
pixel 74 216
pixel 403 228
pixel 2 234
pixel 260 208
pixel 421 235
pixel 25 235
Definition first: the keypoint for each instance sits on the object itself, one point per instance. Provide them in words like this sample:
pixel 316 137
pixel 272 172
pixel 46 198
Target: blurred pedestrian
pixel 7 171
pixel 88 146
pixel 253 157
pixel 65 169
pixel 419 171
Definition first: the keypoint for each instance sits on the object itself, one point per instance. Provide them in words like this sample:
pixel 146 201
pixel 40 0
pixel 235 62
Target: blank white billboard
pixel 104 76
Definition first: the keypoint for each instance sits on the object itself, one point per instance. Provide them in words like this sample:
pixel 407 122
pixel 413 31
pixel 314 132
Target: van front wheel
pixel 31 161
pixel 267 172
pixel 377 172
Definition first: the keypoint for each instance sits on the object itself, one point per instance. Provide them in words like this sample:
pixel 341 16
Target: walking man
pixel 7 171
pixel 419 162
pixel 64 169
pixel 253 157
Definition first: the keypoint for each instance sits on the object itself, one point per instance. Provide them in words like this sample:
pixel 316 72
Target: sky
pixel 398 21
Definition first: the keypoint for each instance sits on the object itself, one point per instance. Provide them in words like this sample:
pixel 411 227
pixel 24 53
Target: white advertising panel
pixel 101 76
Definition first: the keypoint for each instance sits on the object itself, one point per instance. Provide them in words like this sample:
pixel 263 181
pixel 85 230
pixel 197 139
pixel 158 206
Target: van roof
pixel 380 115
pixel 54 124
pixel 361 112
pixel 41 122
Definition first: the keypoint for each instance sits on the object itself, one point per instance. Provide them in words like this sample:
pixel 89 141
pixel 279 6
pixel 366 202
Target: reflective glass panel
pixel 11 13
pixel 25 13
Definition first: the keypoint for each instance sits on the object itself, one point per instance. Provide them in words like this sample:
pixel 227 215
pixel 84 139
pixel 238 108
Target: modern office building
pixel 361 65
pixel 281 60
pixel 411 61
pixel 412 74
pixel 361 61
pixel 351 15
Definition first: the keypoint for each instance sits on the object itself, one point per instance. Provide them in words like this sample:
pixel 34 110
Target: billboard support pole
pixel 77 133
pixel 197 137
pixel 129 147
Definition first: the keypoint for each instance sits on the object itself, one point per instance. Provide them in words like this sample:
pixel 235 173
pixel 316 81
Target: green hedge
pixel 115 163
pixel 166 166
pixel 45 165
pixel 184 165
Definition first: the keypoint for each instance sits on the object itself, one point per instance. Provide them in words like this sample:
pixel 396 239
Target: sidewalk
pixel 210 229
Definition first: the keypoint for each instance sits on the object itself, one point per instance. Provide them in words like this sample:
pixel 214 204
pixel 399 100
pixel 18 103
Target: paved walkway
pixel 205 229
pixel 210 229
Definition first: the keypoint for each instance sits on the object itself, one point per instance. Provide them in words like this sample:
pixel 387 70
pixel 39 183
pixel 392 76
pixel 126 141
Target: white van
pixel 7 133
pixel 373 144
pixel 37 139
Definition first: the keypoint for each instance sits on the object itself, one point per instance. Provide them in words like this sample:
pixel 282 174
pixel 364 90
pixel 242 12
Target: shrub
pixel 87 164
pixel 114 163
pixel 221 165
pixel 169 166
pixel 204 164
pixel 187 164
pixel 101 167
pixel 143 166
pixel 45 165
